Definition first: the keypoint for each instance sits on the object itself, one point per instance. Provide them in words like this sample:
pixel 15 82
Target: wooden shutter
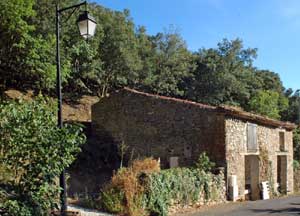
pixel 251 138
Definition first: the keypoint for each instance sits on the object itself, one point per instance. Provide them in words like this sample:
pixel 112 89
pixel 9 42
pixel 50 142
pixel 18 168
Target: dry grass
pixel 148 165
pixel 77 109
pixel 127 180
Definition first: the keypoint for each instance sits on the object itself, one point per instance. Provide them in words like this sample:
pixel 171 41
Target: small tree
pixel 268 103
pixel 204 163
pixel 37 151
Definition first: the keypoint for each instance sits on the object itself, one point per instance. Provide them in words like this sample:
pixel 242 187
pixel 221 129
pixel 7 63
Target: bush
pixel 296 164
pixel 124 194
pixel 179 186
pixel 204 163
pixel 37 151
pixel 296 142
pixel 143 189
pixel 113 200
pixel 6 175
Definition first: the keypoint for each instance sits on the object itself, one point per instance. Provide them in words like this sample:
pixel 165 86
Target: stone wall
pixel 297 180
pixel 217 190
pixel 268 143
pixel 162 127
pixel 152 126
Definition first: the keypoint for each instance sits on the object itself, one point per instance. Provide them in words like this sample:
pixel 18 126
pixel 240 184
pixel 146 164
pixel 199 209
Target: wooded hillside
pixel 123 54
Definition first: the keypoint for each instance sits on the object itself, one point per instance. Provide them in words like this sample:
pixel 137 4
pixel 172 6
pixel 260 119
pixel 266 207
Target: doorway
pixel 282 173
pixel 252 176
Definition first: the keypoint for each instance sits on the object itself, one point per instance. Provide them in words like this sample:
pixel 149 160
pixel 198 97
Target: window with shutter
pixel 251 138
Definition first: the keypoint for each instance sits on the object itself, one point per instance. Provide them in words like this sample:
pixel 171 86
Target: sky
pixel 271 26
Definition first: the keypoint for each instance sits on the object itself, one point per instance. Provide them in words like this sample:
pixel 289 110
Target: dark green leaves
pixel 36 150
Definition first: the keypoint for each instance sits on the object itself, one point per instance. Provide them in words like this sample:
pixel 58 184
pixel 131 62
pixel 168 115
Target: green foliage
pixel 296 164
pixel 296 142
pixel 13 207
pixel 152 192
pixel 113 200
pixel 268 103
pixel 204 163
pixel 37 151
pixel 181 185
pixel 273 191
pixel 124 194
pixel 223 75
pixel 23 53
pixel 6 175
pixel 292 114
pixel 173 64
pixel 116 59
pixel 269 81
pixel 121 54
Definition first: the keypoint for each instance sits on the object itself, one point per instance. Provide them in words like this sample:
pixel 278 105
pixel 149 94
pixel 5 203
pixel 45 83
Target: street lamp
pixel 87 26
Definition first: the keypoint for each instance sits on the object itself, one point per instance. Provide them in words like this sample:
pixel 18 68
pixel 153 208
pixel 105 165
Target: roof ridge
pixel 225 109
pixel 207 106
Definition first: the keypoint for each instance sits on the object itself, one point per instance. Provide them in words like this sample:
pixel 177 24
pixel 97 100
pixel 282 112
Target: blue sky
pixel 272 26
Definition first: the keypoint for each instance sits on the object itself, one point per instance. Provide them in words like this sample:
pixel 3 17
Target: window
pixel 281 141
pixel 251 138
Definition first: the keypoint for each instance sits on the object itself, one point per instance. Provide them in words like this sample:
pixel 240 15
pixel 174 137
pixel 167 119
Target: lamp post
pixel 87 27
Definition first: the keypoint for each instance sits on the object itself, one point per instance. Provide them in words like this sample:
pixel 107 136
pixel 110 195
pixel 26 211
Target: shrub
pixel 147 165
pixel 179 185
pixel 204 163
pixel 296 164
pixel 126 188
pixel 6 175
pixel 143 189
pixel 37 151
pixel 113 200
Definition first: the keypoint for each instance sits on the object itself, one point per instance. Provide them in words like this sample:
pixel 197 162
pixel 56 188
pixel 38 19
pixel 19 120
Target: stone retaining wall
pixel 161 128
pixel 218 196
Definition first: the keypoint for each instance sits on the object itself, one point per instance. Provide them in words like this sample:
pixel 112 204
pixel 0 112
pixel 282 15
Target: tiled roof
pixel 226 110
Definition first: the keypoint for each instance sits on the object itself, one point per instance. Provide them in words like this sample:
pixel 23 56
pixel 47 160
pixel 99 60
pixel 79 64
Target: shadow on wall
pixel 94 165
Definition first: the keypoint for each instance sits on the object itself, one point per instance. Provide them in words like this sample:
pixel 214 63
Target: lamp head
pixel 86 24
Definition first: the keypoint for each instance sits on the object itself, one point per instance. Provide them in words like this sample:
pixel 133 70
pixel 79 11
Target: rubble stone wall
pixel 268 145
pixel 160 128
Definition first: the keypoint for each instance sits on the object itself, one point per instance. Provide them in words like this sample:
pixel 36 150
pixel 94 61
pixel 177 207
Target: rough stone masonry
pixel 251 147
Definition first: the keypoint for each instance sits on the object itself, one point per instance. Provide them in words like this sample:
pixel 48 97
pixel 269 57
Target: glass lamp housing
pixel 86 24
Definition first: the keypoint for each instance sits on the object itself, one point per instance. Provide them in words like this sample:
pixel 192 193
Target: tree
pixel 37 151
pixel 173 63
pixel 23 55
pixel 269 80
pixel 73 49
pixel 117 60
pixel 292 114
pixel 268 103
pixel 147 54
pixel 223 75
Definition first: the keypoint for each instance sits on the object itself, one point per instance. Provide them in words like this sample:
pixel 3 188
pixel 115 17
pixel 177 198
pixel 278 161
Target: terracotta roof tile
pixel 224 109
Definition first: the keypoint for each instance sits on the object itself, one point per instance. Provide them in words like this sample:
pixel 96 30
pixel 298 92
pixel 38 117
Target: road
pixel 281 206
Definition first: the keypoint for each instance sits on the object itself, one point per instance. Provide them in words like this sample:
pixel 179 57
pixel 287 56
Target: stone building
pixel 250 147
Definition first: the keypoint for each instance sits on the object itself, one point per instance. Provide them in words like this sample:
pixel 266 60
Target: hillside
pixel 75 109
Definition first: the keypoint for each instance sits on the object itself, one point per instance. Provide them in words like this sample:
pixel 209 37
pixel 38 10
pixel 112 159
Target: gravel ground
pixel 87 212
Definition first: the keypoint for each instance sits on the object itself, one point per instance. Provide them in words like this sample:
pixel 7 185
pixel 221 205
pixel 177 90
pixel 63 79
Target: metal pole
pixel 62 182
pixel 298 91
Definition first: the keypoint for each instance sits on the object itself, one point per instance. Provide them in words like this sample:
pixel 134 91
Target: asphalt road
pixel 281 206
